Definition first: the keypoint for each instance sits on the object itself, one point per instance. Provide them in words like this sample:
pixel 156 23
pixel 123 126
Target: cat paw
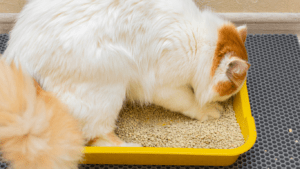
pixel 214 113
pixel 215 110
pixel 202 117
pixel 130 145
pixel 211 111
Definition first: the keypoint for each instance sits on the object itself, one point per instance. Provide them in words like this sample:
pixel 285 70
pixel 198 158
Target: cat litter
pixel 154 126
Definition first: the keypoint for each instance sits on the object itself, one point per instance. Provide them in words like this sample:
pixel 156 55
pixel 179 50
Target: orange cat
pixel 36 130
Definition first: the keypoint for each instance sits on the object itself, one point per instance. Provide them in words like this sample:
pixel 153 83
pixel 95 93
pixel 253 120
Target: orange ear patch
pixel 243 32
pixel 237 71
pixel 229 40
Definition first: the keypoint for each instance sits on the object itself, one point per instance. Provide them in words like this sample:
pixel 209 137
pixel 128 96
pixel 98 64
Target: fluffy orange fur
pixel 36 130
pixel 225 88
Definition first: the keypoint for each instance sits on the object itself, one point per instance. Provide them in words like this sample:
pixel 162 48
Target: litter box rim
pixel 250 137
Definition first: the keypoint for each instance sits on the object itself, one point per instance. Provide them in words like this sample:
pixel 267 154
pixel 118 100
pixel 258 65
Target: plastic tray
pixel 181 156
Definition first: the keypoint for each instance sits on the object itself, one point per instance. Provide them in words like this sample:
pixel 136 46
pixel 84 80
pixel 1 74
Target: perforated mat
pixel 3 42
pixel 273 86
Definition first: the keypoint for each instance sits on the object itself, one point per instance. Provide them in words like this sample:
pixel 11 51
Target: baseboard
pixel 267 23
pixel 258 23
pixel 7 21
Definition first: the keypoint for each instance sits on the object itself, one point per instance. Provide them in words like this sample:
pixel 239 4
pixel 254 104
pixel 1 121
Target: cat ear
pixel 237 71
pixel 243 32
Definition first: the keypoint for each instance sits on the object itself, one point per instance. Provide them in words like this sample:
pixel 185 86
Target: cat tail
pixel 27 138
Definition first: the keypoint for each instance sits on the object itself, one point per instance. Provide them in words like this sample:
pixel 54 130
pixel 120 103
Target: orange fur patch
pixel 92 141
pixel 229 40
pixel 225 88
pixel 38 87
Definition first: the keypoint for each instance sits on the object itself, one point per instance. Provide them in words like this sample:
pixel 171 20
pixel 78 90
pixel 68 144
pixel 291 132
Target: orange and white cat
pixel 36 129
pixel 95 53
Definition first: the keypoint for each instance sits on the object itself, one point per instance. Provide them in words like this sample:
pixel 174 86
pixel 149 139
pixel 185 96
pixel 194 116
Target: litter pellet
pixel 290 130
pixel 154 126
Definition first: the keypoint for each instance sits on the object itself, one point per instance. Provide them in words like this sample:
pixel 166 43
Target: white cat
pixel 94 53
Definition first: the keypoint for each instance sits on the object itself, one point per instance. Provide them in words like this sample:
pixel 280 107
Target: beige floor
pixel 11 6
pixel 290 6
pixel 15 6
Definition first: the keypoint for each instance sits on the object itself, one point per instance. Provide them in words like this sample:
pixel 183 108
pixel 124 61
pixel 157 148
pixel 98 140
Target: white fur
pixel 94 53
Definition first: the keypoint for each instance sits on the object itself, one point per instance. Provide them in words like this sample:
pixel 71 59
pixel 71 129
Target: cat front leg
pixel 209 110
pixel 177 99
pixel 182 99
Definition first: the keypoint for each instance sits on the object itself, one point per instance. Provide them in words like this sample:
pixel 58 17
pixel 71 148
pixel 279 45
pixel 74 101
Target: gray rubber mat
pixel 3 41
pixel 274 92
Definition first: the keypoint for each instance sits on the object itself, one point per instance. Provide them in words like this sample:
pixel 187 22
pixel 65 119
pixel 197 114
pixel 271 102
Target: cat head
pixel 230 63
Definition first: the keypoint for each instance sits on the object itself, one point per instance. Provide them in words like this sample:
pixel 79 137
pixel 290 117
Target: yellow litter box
pixel 181 156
